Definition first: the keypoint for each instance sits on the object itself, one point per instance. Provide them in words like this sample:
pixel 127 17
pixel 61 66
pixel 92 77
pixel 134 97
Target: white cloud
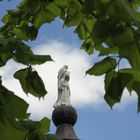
pixel 86 90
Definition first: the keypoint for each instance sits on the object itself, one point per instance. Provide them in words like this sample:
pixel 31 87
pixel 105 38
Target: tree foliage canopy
pixel 111 27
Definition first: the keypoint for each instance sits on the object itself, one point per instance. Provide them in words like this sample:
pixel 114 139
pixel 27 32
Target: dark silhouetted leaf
pixel 90 6
pixel 51 137
pixel 115 82
pixel 132 54
pixel 11 108
pixel 102 66
pixel 102 30
pixel 31 82
pixel 35 129
pixel 107 51
pixel 114 91
pixel 9 132
pixel 25 56
pixel 124 37
pixel 40 59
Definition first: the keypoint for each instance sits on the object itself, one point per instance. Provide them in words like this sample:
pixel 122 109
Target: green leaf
pixel 35 129
pixel 122 10
pixel 89 23
pixel 108 77
pixel 138 110
pixel 8 132
pixel 11 108
pixel 85 27
pixel 115 82
pixel 131 52
pixel 53 8
pixel 135 77
pixel 13 17
pixel 102 30
pixel 1 62
pixel 30 7
pixel 15 105
pixel 105 1
pixel 73 19
pixel 133 82
pixel 32 135
pixel 91 5
pixel 107 51
pixel 31 32
pixel 124 37
pixel 26 32
pixel 40 59
pixel 20 34
pixel 6 18
pixel 62 3
pixel 37 87
pixel 88 46
pixel 81 30
pixel 43 16
pixel 21 75
pixel 51 137
pixel 44 125
pixel 74 14
pixel 24 55
pixel 114 90
pixel 4 57
pixel 31 82
pixel 6 50
pixel 102 66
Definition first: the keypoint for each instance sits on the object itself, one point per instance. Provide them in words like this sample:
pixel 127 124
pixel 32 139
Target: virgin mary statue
pixel 63 87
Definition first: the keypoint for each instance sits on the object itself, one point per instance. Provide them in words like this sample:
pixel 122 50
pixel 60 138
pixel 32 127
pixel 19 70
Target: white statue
pixel 63 87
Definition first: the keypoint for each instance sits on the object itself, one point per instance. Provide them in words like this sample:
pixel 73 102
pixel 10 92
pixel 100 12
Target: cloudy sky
pixel 95 119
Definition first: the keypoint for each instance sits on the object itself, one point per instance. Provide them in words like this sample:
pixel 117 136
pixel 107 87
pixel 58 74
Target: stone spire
pixel 64 115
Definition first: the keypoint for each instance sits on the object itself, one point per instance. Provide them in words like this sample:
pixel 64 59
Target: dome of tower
pixel 64 115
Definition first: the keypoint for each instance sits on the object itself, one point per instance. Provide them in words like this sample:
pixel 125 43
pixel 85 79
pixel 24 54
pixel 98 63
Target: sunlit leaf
pixel 88 46
pixel 53 8
pixel 43 16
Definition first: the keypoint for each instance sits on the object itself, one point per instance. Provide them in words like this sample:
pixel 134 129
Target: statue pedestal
pixel 64 118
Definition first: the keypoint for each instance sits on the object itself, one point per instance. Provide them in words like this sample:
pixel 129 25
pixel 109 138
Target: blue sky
pixel 95 120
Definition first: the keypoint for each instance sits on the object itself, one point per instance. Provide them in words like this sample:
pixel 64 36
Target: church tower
pixel 64 115
pixel 64 118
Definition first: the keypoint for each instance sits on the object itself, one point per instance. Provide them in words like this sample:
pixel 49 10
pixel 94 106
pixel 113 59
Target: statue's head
pixel 65 66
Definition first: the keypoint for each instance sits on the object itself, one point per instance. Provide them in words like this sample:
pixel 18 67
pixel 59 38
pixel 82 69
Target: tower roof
pixel 64 118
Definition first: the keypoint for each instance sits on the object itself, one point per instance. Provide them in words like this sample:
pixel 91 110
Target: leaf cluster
pixel 111 27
